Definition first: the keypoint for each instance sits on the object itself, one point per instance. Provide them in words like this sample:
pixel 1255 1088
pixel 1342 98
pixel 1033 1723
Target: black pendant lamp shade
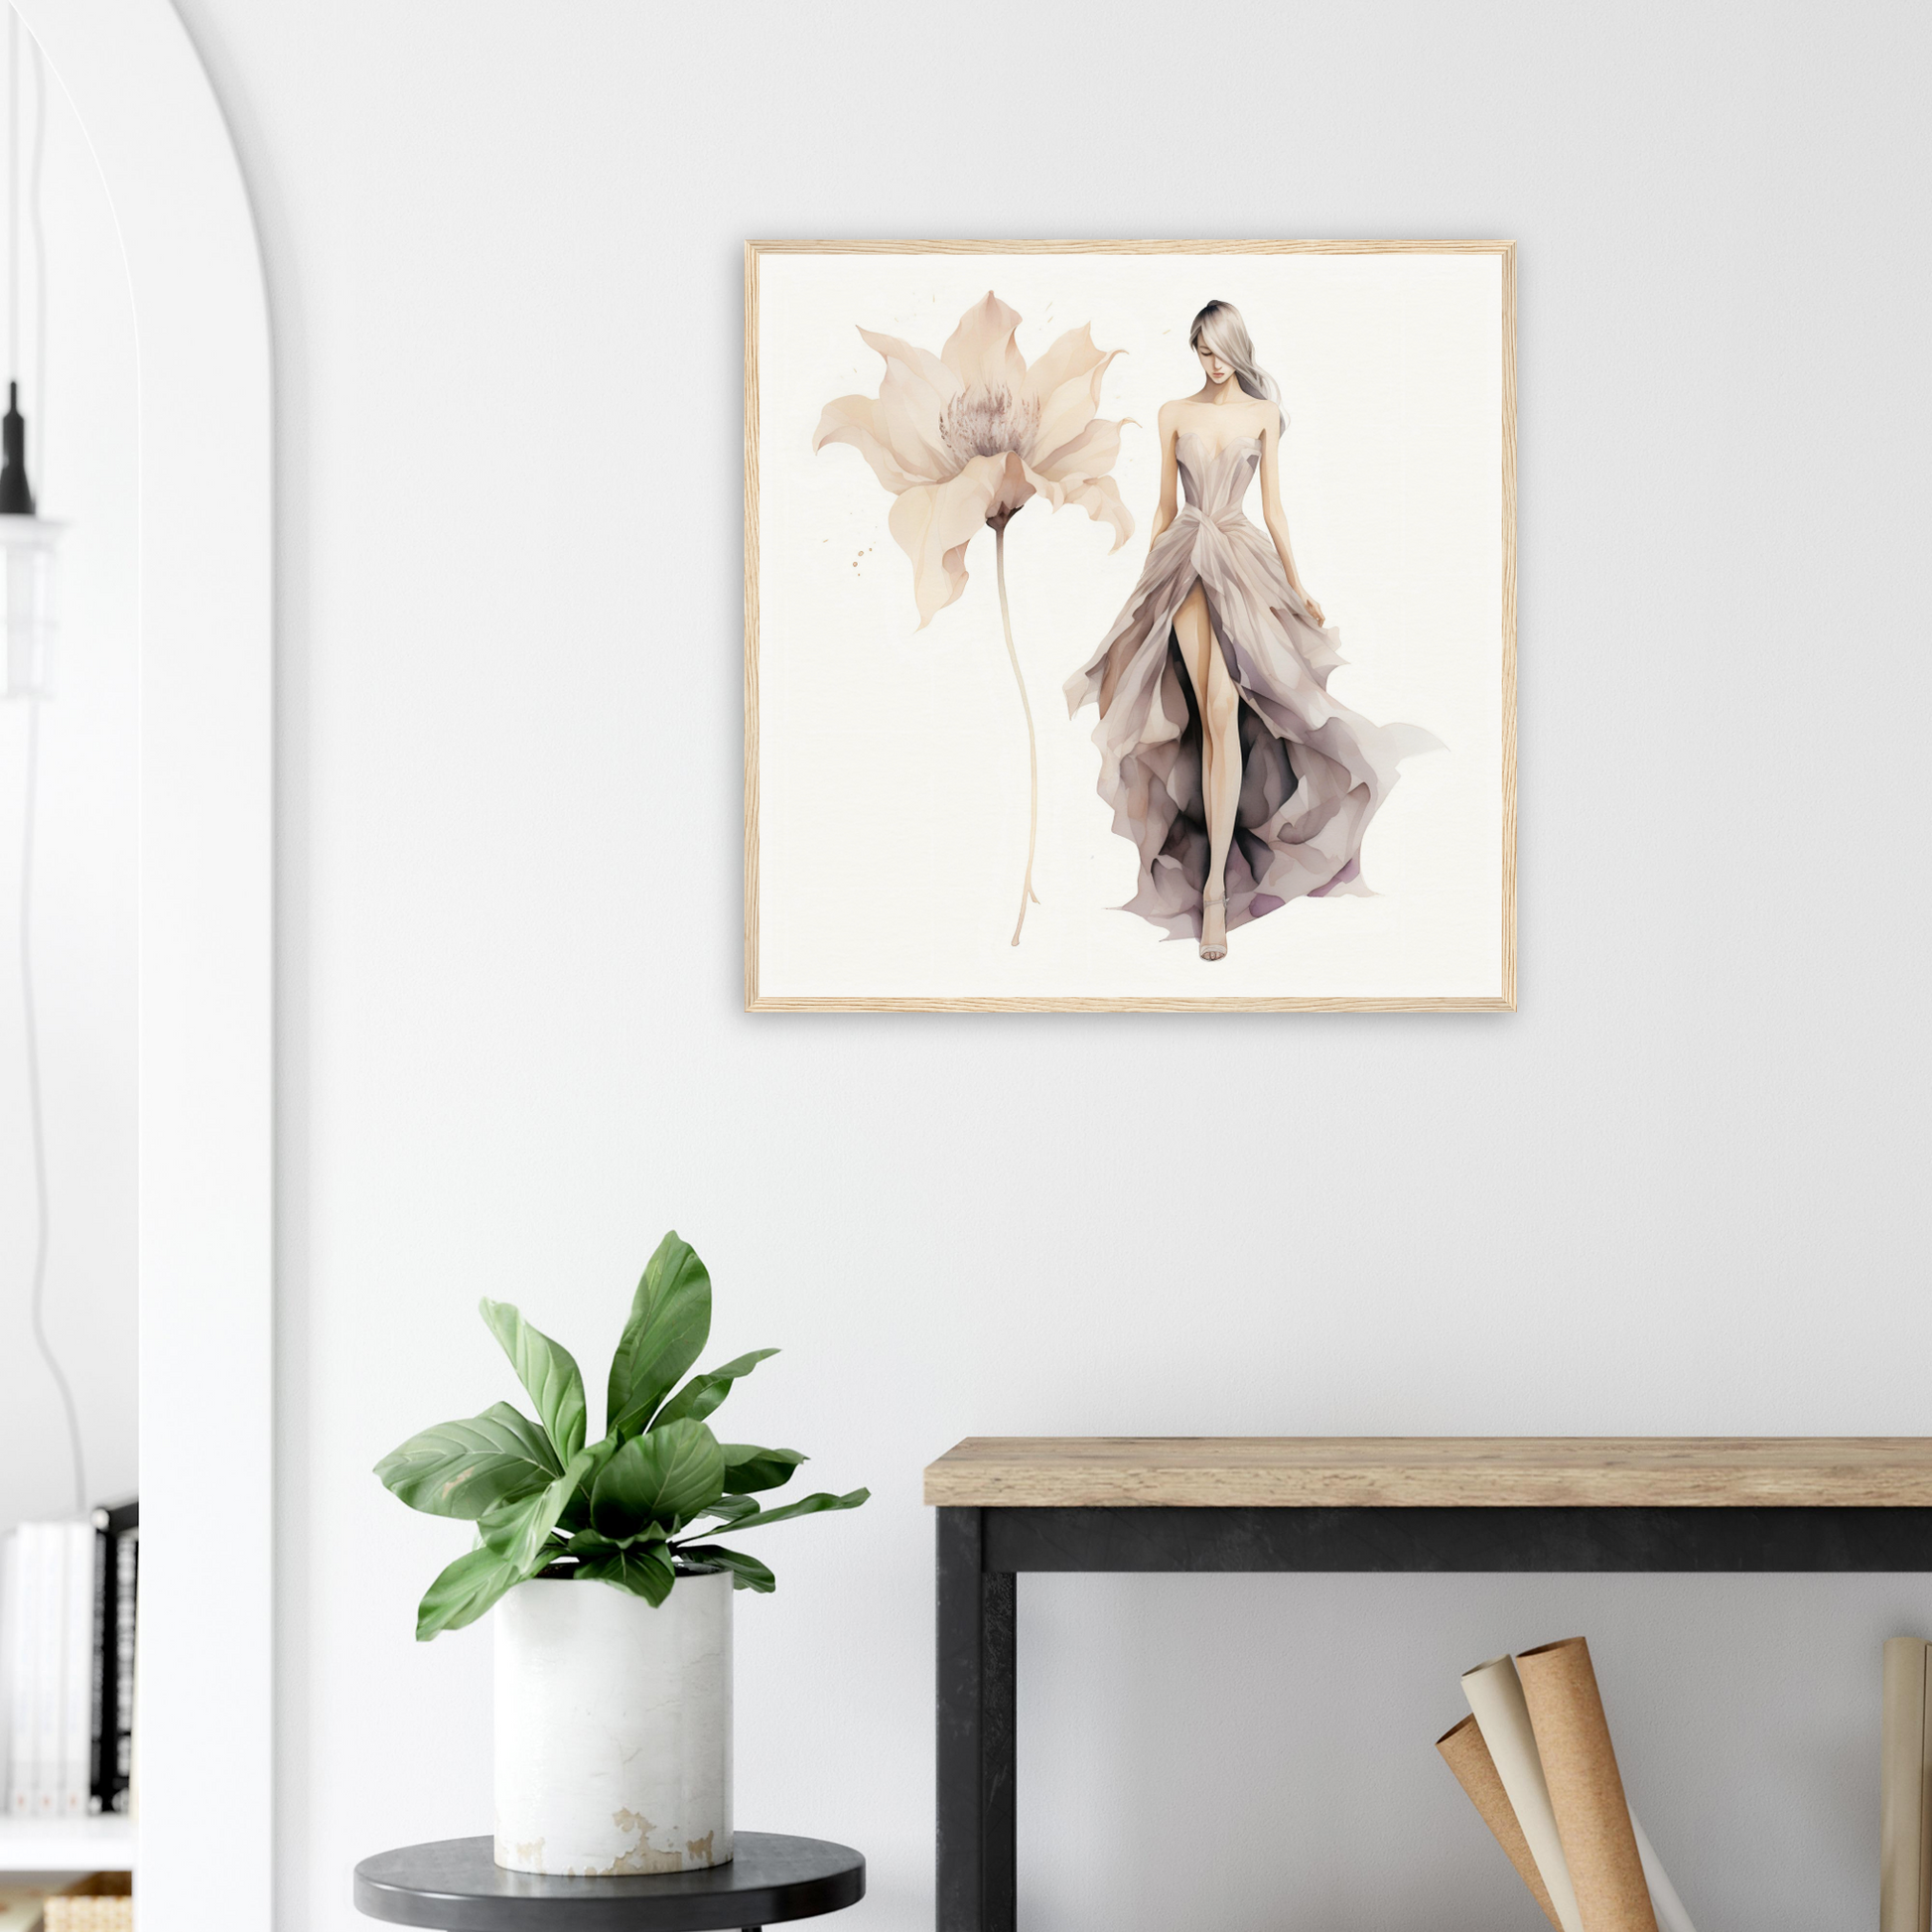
pixel 16 493
pixel 27 541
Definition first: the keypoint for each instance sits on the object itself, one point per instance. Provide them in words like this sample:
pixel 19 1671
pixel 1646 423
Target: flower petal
pixel 1069 408
pixel 1089 454
pixel 1099 496
pixel 853 419
pixel 1050 492
pixel 920 363
pixel 1069 356
pixel 933 523
pixel 1017 486
pixel 981 350
pixel 912 396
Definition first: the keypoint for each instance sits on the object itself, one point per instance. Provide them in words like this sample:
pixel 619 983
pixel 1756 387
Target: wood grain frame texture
pixel 1433 1472
pixel 757 1001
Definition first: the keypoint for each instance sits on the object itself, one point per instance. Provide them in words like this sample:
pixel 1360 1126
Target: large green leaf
pixel 747 1573
pixel 577 1511
pixel 666 1476
pixel 670 1321
pixel 520 1533
pixel 463 1592
pixel 547 1369
pixel 587 1543
pixel 749 1467
pixel 805 1506
pixel 468 1468
pixel 703 1393
pixel 645 1571
pixel 732 1509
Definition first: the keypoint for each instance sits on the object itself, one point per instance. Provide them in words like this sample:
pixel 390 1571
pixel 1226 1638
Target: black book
pixel 117 1547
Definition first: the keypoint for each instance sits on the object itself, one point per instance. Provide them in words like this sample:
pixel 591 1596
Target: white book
pixel 22 1645
pixel 77 1670
pixel 24 1648
pixel 48 1579
pixel 9 1632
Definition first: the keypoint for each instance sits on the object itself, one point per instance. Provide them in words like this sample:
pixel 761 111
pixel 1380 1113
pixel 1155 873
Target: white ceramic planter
pixel 614 1727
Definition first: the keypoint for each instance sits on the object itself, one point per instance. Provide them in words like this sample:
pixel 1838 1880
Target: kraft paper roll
pixel 1904 1891
pixel 1496 1698
pixel 1469 1757
pixel 1572 1739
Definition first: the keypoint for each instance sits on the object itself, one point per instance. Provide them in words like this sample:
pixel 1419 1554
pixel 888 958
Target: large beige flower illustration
pixel 965 438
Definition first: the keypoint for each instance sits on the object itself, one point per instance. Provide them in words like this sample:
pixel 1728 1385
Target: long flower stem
pixel 1033 752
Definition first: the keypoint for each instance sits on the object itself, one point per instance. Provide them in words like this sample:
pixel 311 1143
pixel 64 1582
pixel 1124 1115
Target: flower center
pixel 988 422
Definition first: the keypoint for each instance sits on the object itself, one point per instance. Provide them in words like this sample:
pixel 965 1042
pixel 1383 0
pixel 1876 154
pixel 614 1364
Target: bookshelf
pixel 1006 1506
pixel 68 1844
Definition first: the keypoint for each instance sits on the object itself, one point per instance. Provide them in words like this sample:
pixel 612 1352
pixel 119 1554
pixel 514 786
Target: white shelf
pixel 66 1844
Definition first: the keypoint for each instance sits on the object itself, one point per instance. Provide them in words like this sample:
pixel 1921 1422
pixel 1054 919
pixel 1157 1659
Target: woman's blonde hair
pixel 1220 326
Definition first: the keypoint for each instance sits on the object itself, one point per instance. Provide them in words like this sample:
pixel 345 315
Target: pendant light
pixel 27 539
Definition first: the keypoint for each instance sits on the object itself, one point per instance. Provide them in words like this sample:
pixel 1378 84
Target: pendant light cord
pixel 13 192
pixel 36 1116
pixel 38 470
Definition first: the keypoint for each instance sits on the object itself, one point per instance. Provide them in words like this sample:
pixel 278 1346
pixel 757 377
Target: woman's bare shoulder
pixel 1189 411
pixel 1175 419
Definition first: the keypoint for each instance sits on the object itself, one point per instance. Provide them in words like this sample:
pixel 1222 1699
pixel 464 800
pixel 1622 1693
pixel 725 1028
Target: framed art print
pixel 1130 624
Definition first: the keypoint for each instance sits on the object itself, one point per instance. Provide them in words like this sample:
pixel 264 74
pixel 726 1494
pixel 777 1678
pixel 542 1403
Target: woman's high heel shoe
pixel 1214 927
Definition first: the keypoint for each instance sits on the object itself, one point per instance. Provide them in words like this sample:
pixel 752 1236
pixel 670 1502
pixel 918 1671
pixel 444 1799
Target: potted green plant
pixel 614 1712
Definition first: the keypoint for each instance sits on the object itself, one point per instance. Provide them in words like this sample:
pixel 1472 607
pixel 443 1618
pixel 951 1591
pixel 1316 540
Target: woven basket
pixel 89 1915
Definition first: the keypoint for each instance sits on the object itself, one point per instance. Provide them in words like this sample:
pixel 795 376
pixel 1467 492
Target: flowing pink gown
pixel 1313 771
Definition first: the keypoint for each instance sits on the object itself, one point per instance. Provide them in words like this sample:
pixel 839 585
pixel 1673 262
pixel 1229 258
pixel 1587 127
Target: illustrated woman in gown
pixel 1241 782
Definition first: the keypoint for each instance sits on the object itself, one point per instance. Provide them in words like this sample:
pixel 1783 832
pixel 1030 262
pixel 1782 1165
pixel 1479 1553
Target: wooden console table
pixel 1008 1504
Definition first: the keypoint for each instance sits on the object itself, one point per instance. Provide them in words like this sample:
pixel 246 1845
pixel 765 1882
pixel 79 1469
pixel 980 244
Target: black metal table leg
pixel 976 1713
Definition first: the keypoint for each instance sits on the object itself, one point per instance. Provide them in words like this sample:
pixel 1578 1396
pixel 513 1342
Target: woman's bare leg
pixel 1220 712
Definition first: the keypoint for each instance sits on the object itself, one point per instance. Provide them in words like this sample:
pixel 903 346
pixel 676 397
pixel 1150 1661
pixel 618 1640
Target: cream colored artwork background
pixel 893 776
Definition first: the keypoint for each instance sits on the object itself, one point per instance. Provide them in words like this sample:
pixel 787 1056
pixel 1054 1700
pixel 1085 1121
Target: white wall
pixel 81 456
pixel 1679 1192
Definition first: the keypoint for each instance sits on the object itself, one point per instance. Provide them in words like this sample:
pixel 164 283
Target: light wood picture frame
pixel 887 779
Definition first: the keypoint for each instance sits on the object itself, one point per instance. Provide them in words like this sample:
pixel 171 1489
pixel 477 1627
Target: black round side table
pixel 457 1886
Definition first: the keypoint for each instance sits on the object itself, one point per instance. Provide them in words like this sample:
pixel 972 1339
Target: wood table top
pixel 1437 1471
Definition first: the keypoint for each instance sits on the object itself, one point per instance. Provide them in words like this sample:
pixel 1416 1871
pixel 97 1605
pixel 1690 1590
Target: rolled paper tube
pixel 1496 1698
pixel 1925 1808
pixel 1469 1757
pixel 1572 1739
pixel 1903 1789
pixel 1664 1901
